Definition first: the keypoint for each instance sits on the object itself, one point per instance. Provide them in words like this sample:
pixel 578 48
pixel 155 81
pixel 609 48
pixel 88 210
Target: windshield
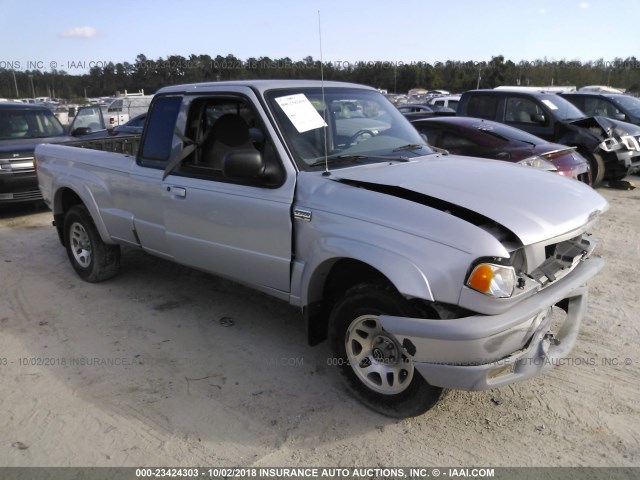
pixel 349 124
pixel 561 108
pixel 630 104
pixel 28 123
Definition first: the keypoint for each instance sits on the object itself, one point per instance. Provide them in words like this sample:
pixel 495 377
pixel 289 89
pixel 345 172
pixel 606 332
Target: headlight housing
pixel 491 279
pixel 538 162
pixel 628 141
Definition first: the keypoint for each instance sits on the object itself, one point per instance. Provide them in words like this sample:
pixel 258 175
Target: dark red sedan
pixel 475 137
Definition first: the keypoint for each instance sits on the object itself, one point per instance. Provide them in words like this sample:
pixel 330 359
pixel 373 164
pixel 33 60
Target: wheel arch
pixel 324 281
pixel 65 198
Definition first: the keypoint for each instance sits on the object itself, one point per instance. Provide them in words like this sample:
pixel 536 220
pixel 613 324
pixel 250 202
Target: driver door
pixel 239 229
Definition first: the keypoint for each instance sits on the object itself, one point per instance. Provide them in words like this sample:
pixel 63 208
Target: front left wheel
pixel 91 258
pixel 374 365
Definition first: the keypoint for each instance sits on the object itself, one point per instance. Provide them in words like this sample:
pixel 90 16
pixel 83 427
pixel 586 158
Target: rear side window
pixel 483 106
pixel 160 125
pixel 600 106
pixel 115 106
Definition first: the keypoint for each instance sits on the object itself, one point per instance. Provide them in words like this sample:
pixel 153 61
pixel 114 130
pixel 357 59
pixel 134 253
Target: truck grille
pixel 19 196
pixel 561 258
pixel 20 164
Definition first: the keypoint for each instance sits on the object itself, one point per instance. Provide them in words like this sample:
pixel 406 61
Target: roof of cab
pixel 259 85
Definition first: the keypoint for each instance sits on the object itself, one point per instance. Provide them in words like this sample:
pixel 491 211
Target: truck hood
pixel 534 205
pixel 28 145
pixel 604 127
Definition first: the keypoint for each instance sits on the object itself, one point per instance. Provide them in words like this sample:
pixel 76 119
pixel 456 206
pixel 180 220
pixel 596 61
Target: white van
pixel 122 109
pixel 448 101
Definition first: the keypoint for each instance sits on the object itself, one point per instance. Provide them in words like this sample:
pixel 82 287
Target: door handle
pixel 177 191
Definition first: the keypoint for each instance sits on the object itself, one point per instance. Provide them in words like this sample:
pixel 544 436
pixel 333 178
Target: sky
pixel 74 35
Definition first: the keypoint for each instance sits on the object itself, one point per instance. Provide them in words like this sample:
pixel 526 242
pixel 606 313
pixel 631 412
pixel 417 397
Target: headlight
pixel 538 162
pixel 630 142
pixel 609 145
pixel 491 279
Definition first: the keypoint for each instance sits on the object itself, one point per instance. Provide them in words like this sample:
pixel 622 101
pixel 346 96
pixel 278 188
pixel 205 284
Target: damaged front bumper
pixel 487 351
pixel 628 161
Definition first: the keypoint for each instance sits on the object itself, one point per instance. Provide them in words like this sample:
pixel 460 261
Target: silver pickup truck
pixel 424 270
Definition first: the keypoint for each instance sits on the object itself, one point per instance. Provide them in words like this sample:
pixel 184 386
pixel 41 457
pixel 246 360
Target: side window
pixel 115 106
pixel 224 125
pixel 483 106
pixel 599 106
pixel 156 147
pixel 521 110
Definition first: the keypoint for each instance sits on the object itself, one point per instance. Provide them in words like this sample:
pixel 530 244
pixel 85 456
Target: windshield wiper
pixel 355 158
pixel 410 146
pixel 345 158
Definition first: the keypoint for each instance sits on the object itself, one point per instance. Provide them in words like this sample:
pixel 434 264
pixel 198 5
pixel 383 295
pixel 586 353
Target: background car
pixel 617 106
pixel 487 139
pixel 448 101
pixel 132 127
pixel 421 110
pixel 123 109
pixel 612 147
pixel 22 127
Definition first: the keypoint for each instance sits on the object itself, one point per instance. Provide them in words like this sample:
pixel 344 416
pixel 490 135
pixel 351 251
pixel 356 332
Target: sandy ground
pixel 145 369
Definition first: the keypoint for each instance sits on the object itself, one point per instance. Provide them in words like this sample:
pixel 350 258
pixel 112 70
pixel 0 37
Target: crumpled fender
pixel 570 133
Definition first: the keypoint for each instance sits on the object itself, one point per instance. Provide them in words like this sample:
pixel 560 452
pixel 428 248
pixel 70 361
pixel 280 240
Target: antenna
pixel 324 104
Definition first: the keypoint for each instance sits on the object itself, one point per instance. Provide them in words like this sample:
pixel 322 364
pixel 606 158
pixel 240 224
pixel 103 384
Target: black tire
pixel 410 395
pixel 90 257
pixel 596 165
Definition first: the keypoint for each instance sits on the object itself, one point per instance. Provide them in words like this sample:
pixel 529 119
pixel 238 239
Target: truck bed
pixel 128 145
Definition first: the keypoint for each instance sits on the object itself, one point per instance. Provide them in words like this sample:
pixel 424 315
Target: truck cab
pixel 424 271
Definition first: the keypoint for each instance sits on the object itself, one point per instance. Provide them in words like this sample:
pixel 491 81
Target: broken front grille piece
pixel 562 258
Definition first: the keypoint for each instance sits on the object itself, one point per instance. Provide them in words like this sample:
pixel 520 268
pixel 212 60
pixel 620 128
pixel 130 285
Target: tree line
pixel 395 77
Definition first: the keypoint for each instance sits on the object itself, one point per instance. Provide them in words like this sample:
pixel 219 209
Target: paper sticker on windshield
pixel 301 112
pixel 549 104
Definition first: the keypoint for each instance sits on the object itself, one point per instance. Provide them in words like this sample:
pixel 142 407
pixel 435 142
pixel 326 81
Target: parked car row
pixel 487 139
pixel 602 130
pixel 604 137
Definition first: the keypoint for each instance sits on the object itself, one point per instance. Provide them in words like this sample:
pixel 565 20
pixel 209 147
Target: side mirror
pixel 78 132
pixel 243 164
pixel 538 118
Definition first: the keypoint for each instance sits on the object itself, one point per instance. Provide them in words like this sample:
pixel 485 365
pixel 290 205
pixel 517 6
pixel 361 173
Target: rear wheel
pixel 91 258
pixel 374 365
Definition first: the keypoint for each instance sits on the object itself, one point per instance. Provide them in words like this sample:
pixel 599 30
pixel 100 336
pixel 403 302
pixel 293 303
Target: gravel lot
pixel 166 366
